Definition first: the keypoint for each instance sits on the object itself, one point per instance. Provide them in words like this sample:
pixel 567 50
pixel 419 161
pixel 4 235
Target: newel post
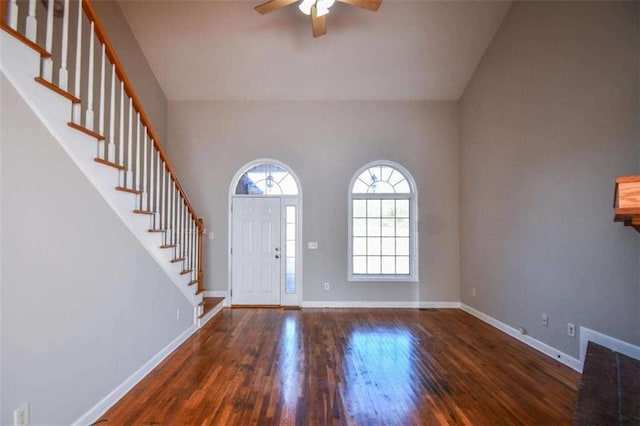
pixel 200 236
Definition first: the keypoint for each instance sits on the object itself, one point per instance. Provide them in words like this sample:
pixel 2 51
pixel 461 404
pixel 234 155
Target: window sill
pixel 383 278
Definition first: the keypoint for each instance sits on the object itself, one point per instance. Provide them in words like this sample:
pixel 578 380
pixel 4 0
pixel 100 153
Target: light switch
pixel 211 235
pixel 312 245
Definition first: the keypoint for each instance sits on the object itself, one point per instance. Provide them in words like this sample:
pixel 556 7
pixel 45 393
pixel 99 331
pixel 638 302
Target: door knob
pixel 277 256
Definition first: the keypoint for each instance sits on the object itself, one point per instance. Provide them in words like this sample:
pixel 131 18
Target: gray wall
pixel 325 143
pixel 83 304
pixel 548 121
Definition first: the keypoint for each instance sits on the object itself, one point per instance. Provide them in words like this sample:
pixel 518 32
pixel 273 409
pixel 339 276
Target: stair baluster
pixel 63 74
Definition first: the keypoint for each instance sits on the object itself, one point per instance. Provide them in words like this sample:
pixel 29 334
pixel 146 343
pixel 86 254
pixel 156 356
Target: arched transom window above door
pixel 266 179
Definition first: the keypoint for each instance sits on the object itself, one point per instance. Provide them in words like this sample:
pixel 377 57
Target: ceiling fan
pixel 317 9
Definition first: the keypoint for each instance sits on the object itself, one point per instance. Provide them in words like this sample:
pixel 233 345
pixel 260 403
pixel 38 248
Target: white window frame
pixel 413 224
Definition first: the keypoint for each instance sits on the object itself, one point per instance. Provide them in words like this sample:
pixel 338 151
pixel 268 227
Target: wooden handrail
pixel 128 87
pixel 3 12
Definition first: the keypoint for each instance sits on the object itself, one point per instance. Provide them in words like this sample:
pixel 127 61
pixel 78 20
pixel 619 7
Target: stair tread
pixel 167 246
pixel 143 212
pixel 108 163
pixel 86 131
pixel 58 90
pixel 186 271
pixel 132 191
pixel 209 303
pixel 157 230
pixel 178 259
pixel 192 282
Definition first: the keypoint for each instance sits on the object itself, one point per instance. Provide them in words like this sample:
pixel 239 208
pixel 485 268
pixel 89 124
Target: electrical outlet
pixel 473 292
pixel 544 320
pixel 327 286
pixel 571 330
pixel 21 415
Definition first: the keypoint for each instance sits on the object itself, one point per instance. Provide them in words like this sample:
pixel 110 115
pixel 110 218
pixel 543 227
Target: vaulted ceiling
pixel 213 50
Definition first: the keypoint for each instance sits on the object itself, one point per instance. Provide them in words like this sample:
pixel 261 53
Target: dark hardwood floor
pixel 351 366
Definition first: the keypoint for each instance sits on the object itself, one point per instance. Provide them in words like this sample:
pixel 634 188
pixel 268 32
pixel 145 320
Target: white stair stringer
pixel 20 64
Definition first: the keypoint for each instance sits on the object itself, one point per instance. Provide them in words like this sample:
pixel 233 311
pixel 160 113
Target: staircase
pixel 76 85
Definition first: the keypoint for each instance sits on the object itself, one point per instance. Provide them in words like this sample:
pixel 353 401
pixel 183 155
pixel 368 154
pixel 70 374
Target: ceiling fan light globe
pixel 326 3
pixel 322 10
pixel 305 6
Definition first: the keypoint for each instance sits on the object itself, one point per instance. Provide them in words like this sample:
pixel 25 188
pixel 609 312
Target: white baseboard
pixel 534 343
pixel 219 293
pixel 612 343
pixel 108 401
pixel 360 304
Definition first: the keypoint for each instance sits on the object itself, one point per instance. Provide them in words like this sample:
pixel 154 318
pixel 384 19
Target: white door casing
pixel 257 251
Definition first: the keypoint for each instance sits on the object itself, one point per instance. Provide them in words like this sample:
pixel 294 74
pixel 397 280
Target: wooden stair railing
pixel 106 107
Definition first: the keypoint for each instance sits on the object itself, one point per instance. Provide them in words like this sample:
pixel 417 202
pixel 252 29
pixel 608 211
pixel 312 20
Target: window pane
pixel 402 227
pixel 246 185
pixel 359 227
pixel 402 208
pixel 290 284
pixel 291 266
pixel 402 187
pixel 388 246
pixel 359 187
pixel 288 185
pixel 388 227
pixel 291 214
pixel 291 249
pixel 373 227
pixel 388 265
pixel 395 177
pixel 262 187
pixel 385 172
pixel 359 265
pixel 365 177
pixel 388 208
pixel 381 188
pixel 373 208
pixel 291 231
pixel 373 246
pixel 373 264
pixel 359 208
pixel 402 246
pixel 360 246
pixel 402 265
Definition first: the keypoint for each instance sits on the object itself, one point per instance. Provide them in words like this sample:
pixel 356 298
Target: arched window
pixel 383 237
pixel 267 179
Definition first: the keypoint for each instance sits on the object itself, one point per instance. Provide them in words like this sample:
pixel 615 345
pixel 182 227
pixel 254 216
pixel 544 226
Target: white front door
pixel 256 251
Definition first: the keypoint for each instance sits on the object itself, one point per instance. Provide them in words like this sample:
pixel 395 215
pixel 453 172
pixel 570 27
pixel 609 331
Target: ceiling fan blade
pixel 318 23
pixel 272 5
pixel 372 5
